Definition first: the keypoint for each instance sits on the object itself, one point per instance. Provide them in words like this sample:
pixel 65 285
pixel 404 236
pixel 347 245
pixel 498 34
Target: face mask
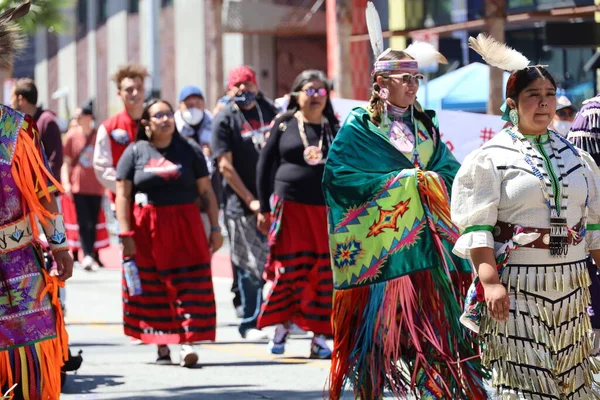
pixel 92 124
pixel 192 116
pixel 562 127
pixel 246 99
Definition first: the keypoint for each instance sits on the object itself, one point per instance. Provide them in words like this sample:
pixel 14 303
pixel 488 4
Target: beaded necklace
pixel 553 190
pixel 401 135
pixel 313 155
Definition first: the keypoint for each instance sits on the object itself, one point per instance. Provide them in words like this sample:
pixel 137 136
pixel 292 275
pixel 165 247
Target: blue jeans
pixel 251 295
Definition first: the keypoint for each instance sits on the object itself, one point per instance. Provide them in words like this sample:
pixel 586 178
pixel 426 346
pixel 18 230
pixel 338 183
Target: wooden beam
pixel 558 14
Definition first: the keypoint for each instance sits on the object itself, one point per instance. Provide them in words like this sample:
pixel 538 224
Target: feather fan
pixel 498 54
pixel 11 38
pixel 374 28
pixel 425 54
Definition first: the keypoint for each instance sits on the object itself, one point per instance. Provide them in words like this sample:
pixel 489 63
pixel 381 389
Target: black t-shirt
pixel 282 169
pixel 231 133
pixel 167 176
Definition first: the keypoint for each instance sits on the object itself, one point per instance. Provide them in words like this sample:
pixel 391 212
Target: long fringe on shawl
pixel 31 176
pixel 405 333
pixel 36 367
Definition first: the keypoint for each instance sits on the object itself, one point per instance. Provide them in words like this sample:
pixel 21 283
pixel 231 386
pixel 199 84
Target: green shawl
pixel 386 217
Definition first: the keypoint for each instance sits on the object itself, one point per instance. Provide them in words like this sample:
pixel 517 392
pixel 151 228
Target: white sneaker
pixel 189 357
pixel 295 330
pixel 255 334
pixel 89 264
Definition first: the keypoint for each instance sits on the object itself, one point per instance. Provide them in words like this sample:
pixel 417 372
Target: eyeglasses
pixel 310 92
pixel 162 115
pixel 565 113
pixel 408 79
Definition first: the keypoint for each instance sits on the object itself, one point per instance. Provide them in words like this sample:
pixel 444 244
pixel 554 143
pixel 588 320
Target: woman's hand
pixel 497 300
pixel 128 246
pixel 264 222
pixel 64 265
pixel 215 241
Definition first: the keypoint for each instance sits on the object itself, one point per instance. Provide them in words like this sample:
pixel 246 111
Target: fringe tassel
pixel 546 344
pixel 391 333
pixel 45 357
pixel 31 177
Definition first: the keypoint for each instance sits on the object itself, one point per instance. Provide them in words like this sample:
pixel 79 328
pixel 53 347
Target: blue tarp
pixel 466 89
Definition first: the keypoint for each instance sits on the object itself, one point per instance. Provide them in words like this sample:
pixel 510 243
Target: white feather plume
pixel 425 54
pixel 498 54
pixel 374 28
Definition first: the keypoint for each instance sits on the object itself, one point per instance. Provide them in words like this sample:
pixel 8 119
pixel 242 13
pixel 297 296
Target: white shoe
pixel 295 330
pixel 189 357
pixel 89 264
pixel 255 334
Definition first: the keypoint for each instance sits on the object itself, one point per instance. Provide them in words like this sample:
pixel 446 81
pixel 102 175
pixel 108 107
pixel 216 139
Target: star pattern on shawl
pixel 347 253
pixel 388 219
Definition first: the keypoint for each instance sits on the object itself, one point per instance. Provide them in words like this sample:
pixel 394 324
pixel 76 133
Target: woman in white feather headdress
pixel 528 204
pixel 398 289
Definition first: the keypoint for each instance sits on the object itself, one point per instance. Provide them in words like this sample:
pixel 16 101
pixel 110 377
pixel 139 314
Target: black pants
pixel 88 207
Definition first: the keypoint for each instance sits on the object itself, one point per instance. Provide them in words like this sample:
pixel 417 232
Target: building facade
pixel 76 64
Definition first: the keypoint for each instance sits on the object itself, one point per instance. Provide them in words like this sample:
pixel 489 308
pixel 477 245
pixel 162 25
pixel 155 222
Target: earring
pixel 148 131
pixel 514 116
pixel 384 93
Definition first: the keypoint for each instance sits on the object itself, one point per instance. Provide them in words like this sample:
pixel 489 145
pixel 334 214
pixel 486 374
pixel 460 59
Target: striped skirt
pixel 543 350
pixel 300 270
pixel 177 303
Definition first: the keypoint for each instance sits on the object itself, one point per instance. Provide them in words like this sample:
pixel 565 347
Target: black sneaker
pixel 164 355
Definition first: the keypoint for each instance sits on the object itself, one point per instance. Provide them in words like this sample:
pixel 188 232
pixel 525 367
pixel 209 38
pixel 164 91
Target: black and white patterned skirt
pixel 544 349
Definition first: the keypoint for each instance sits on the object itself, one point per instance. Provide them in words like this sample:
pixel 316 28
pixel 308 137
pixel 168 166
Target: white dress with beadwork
pixel 543 350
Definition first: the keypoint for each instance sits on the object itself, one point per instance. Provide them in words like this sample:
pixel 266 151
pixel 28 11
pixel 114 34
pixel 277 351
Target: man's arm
pixel 103 161
pixel 51 139
pixel 233 179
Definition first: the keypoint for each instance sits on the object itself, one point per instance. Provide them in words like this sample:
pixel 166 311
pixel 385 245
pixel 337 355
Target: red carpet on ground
pixel 221 263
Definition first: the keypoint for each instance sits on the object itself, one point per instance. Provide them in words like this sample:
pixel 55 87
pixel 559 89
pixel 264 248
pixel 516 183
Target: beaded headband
pixel 404 66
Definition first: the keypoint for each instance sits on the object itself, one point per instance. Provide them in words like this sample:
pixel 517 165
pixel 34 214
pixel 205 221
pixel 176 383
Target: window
pixel 102 11
pixel 82 10
pixel 133 6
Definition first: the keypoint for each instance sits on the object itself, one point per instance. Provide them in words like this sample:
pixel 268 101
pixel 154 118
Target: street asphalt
pixel 230 368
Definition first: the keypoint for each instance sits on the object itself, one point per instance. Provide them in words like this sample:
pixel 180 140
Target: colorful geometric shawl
pixel 383 212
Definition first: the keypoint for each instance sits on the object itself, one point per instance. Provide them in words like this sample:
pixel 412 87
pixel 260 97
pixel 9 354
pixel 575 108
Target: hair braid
pixel 376 105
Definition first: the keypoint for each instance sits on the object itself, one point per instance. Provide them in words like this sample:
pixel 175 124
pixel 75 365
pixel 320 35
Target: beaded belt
pixel 15 235
pixel 504 232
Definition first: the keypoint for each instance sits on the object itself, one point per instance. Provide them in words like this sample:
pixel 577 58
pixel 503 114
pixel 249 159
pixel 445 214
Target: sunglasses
pixel 310 92
pixel 162 115
pixel 565 113
pixel 408 79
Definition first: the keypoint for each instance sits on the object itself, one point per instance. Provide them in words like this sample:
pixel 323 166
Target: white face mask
pixel 192 116
pixel 562 127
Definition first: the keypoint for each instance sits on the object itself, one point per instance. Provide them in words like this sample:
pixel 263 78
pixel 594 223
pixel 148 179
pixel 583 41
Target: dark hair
pixel 302 79
pixel 145 120
pixel 376 103
pixel 26 88
pixel 520 79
